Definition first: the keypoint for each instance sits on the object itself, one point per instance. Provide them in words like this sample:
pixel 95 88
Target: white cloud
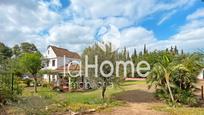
pixel 192 25
pixel 56 3
pixel 196 15
pixel 190 36
pixel 23 21
pixel 124 11
pixel 136 37
pixel 166 17
pixel 71 36
pixel 194 21
pixel 71 33
pixel 123 14
pixel 187 40
pixel 129 37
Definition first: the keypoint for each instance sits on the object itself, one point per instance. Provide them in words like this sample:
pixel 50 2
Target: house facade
pixel 56 59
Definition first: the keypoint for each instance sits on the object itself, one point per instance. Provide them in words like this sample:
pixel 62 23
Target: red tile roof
pixel 61 52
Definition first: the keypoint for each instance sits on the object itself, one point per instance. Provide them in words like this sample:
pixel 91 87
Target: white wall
pixel 50 55
pixel 52 77
pixel 200 76
pixel 59 61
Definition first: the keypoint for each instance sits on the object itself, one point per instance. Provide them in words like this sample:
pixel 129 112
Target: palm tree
pixel 176 77
pixel 161 74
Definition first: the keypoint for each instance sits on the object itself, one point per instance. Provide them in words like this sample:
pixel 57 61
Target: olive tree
pixel 31 62
pixel 94 52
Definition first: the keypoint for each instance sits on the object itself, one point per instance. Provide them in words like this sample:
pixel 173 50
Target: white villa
pixel 54 62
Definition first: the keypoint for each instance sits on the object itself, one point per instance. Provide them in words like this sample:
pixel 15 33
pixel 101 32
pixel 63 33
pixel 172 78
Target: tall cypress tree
pixel 135 53
pixel 145 49
pixel 175 50
pixel 125 53
pixel 172 49
pixel 182 52
pixel 128 56
pixel 167 50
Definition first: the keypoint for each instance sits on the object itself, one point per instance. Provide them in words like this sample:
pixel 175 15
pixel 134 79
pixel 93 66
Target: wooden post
pixel 49 80
pixel 70 84
pixel 202 92
pixel 12 82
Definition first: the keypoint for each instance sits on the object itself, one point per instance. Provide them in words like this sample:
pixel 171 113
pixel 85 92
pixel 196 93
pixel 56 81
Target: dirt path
pixel 138 102
pixel 132 109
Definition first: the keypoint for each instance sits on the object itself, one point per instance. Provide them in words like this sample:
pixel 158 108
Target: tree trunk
pixel 169 88
pixel 35 83
pixel 70 84
pixel 103 90
pixel 49 78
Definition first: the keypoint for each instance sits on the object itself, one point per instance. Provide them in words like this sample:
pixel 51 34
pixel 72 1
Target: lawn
pixel 48 101
pixel 133 82
pixel 179 110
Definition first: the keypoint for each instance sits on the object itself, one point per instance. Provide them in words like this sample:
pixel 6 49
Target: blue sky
pixel 76 24
pixel 167 28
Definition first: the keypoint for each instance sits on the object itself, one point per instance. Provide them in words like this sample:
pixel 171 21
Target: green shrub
pixel 28 82
pixel 175 78
pixel 7 91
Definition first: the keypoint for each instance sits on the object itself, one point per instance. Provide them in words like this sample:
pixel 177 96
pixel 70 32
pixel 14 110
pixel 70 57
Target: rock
pixel 75 113
pixel 84 112
pixel 91 110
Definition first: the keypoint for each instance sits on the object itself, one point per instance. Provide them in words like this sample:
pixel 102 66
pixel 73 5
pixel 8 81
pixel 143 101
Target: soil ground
pixel 138 102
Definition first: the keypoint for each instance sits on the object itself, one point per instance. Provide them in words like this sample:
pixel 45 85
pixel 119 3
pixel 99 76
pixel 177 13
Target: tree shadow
pixel 136 96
